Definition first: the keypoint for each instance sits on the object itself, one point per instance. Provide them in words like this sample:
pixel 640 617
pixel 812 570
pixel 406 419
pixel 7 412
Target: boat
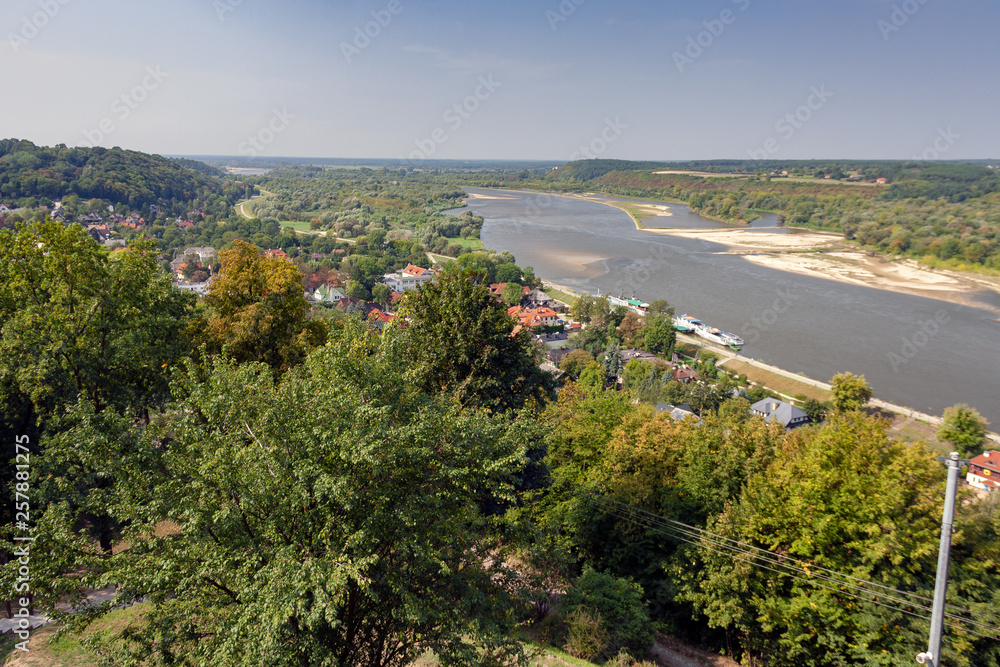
pixel 633 304
pixel 687 324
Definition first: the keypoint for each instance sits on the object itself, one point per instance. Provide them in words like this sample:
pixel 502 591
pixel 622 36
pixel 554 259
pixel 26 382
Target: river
pixel 927 354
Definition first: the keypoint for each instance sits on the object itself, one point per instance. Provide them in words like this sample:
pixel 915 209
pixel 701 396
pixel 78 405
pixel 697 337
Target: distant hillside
pixel 33 176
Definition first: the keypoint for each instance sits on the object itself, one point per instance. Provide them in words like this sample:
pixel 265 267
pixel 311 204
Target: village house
pixel 786 414
pixel 984 471
pixel 327 294
pixel 185 224
pixel 534 317
pixel 409 278
pixel 100 233
pixel 277 253
pixel 4 209
pixel 496 289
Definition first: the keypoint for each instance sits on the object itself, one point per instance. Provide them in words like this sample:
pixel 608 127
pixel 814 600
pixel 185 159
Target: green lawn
pixel 468 244
pixel 299 226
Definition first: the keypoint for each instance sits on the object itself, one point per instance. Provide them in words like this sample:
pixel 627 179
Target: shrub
pixel 618 602
pixel 587 637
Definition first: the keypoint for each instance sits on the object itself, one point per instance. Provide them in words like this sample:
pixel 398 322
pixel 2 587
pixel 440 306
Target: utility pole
pixel 933 654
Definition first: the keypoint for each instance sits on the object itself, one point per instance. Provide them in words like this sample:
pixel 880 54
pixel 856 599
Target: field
pixel 468 244
pixel 778 383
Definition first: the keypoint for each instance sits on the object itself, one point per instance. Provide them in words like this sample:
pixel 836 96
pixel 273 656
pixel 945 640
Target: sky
pixel 520 79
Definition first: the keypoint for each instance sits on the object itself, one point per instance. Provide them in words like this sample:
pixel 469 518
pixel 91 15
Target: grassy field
pixel 299 226
pixel 777 382
pixel 468 244
pixel 559 295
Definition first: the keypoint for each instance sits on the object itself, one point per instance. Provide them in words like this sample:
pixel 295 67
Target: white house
pixel 409 278
pixel 327 294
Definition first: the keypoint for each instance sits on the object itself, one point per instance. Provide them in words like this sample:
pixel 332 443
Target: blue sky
pixel 539 79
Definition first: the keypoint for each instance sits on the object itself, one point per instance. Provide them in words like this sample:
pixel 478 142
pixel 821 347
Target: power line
pixel 806 567
pixel 808 581
pixel 704 540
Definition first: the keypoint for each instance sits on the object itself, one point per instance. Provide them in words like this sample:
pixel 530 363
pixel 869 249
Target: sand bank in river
pixel 790 252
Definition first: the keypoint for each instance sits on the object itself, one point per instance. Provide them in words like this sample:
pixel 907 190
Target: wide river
pixel 926 354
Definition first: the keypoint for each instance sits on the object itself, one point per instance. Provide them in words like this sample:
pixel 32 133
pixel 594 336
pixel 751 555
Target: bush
pixel 623 659
pixel 618 603
pixel 587 637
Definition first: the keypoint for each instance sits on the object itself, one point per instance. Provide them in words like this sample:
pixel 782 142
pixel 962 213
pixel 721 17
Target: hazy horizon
pixel 549 81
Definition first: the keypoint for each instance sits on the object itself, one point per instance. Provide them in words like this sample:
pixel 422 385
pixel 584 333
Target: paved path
pixel 8 625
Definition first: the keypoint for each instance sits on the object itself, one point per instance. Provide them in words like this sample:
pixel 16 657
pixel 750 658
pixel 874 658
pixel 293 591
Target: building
pixel 409 278
pixel 534 317
pixel 277 253
pixel 786 414
pixel 327 294
pixel 984 471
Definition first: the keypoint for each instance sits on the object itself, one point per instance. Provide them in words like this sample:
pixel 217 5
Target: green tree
pixel 512 294
pixel 327 518
pixel 850 392
pixel 612 360
pixel 76 321
pixel 659 335
pixel 964 428
pixel 844 496
pixel 356 289
pixel 382 294
pixel 462 342
pixel 258 311
pixel 577 360
pixel 593 378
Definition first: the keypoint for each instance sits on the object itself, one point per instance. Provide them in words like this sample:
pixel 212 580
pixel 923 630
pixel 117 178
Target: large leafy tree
pixel 76 321
pixel 850 392
pixel 462 343
pixel 326 518
pixel 258 311
pixel 846 497
pixel 964 428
